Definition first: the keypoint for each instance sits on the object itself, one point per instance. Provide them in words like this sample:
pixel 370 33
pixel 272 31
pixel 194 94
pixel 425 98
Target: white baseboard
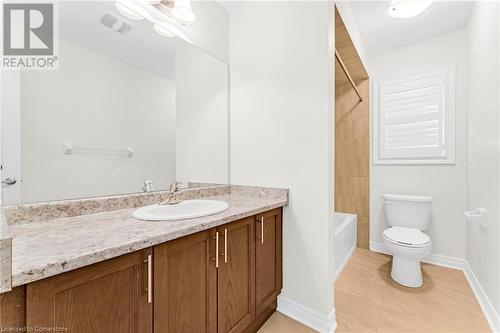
pixel 346 259
pixel 484 302
pixel 439 260
pixel 435 259
pixel 379 247
pixel 307 316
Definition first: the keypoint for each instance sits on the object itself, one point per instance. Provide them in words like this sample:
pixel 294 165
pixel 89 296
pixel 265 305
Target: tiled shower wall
pixel 352 156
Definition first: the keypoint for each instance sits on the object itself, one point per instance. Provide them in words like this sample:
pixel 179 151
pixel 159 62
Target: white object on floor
pixel 187 209
pixel 407 216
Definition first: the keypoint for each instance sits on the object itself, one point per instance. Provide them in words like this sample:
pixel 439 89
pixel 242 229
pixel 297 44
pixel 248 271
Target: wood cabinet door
pixel 236 275
pixel 13 310
pixel 268 275
pixel 185 285
pixel 110 296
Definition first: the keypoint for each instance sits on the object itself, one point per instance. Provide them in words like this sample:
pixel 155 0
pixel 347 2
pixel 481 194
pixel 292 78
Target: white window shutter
pixel 414 119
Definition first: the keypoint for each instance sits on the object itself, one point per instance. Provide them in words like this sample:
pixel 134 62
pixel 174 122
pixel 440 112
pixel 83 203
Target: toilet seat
pixel 407 237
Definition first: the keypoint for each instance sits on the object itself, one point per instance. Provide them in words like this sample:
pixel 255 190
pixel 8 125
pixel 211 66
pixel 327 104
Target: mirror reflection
pixel 130 109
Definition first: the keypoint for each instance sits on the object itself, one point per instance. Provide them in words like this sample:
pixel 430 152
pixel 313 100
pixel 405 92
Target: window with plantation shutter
pixel 414 119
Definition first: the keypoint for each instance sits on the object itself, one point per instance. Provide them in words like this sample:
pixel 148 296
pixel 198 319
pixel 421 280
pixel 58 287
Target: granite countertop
pixel 45 248
pixel 5 255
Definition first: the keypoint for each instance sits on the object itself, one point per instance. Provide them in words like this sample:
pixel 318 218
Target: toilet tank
pixel 408 211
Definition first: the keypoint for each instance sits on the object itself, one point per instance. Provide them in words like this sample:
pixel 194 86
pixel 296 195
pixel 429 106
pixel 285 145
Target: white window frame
pixel 448 73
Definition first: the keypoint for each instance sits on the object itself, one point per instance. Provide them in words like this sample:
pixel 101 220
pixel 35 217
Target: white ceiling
pixel 80 22
pixel 381 32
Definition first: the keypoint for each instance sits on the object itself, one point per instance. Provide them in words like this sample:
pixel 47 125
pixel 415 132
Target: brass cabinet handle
pixel 262 230
pixel 217 249
pixel 225 246
pixel 150 278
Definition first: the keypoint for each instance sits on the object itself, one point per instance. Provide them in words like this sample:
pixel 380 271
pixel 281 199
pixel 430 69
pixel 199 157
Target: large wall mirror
pixel 129 109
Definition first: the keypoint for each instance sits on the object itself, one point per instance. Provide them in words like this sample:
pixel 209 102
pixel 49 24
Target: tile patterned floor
pixel 367 300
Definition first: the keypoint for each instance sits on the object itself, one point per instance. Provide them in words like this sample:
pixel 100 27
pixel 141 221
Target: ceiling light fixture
pixel 408 8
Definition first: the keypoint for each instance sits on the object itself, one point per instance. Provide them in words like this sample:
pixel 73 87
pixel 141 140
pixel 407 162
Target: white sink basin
pixel 187 209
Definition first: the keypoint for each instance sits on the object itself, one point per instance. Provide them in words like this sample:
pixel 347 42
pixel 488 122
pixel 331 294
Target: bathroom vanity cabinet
pixel 109 296
pixel 268 273
pixel 224 279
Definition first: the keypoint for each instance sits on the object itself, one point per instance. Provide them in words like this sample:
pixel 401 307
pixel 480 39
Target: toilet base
pixel 406 272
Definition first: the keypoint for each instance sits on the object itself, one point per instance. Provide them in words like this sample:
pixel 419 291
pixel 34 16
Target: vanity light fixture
pixel 178 10
pixel 166 15
pixel 130 9
pixel 408 8
pixel 162 30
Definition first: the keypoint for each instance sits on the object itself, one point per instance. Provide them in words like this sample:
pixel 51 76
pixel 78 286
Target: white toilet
pixel 408 216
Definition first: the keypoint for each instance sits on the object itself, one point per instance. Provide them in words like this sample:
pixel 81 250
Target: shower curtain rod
pixel 351 81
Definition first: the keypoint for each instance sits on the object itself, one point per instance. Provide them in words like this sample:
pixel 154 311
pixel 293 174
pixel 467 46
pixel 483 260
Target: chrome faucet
pixel 171 198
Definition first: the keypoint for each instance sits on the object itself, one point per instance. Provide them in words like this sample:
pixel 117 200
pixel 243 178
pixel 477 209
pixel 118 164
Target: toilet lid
pixel 406 236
